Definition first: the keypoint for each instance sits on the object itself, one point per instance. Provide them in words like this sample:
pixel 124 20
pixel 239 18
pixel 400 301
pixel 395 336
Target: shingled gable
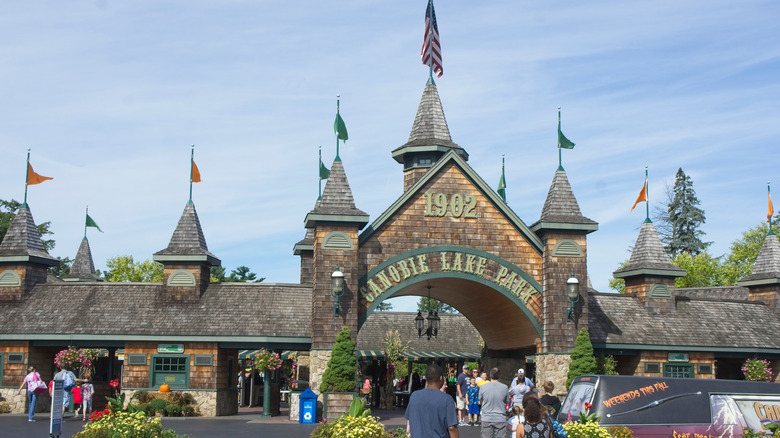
pixel 618 321
pixel 649 257
pixel 22 242
pixel 305 244
pixel 337 203
pixel 766 270
pixel 83 267
pixel 452 158
pixel 187 243
pixel 561 210
pixel 430 132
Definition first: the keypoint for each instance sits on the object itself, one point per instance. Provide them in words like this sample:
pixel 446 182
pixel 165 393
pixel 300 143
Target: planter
pixel 337 403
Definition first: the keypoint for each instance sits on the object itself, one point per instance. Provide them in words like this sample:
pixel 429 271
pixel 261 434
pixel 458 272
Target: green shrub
pixel 339 376
pixel 173 410
pixel 156 405
pixel 582 360
pixel 143 396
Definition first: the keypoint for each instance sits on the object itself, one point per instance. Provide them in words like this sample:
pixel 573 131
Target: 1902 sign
pixel 459 205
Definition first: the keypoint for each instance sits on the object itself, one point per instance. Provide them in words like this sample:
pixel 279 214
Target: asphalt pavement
pixel 247 424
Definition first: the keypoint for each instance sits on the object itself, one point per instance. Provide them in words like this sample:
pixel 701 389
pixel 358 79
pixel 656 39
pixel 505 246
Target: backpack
pixel 68 381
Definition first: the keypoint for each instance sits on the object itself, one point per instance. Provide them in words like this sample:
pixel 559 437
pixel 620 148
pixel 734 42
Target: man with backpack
pixel 69 381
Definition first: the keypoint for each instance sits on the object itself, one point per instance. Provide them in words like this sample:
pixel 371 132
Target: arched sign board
pixel 432 262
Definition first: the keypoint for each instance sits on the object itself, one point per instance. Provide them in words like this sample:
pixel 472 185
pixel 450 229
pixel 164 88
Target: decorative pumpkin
pixel 165 388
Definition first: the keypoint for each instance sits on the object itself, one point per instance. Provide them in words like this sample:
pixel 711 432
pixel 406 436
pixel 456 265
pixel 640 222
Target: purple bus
pixel 675 408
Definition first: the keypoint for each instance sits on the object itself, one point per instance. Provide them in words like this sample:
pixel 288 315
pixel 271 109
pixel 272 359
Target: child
pixel 86 396
pixel 472 395
pixel 76 391
pixel 515 419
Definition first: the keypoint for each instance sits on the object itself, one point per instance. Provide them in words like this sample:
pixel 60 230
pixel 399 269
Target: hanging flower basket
pixel 73 359
pixel 267 360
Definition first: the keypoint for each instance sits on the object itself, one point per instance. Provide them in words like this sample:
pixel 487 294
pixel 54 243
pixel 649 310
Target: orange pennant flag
pixel 195 173
pixel 770 211
pixel 34 178
pixel 642 195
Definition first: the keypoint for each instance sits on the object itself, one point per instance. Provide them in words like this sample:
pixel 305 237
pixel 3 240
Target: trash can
pixel 307 408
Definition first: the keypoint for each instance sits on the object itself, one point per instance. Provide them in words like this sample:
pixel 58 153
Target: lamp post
pixel 337 289
pixel 573 292
pixel 434 321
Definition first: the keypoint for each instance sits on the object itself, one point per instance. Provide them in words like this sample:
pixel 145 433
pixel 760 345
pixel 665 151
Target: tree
pixel 685 218
pixel 124 269
pixel 384 306
pixel 62 269
pixel 582 360
pixel 701 270
pixel 425 305
pixel 241 274
pixel 8 211
pixel 394 351
pixel 339 376
pixel 618 284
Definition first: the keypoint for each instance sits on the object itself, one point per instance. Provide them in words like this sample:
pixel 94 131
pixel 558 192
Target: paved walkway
pixel 249 423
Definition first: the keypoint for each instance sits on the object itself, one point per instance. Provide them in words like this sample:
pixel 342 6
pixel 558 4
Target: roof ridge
pixel 337 198
pixel 188 237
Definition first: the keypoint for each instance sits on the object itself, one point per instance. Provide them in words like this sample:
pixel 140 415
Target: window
pixel 171 370
pixel 684 370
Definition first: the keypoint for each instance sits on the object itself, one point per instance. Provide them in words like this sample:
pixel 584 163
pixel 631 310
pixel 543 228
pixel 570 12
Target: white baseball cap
pixel 521 371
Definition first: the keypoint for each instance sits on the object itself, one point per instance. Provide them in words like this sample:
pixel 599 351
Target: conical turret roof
pixel 767 266
pixel 649 257
pixel 22 242
pixel 561 209
pixel 430 132
pixel 83 267
pixel 188 242
pixel 337 203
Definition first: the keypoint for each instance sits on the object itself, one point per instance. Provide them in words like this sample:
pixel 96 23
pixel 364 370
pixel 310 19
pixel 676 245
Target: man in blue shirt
pixel 431 412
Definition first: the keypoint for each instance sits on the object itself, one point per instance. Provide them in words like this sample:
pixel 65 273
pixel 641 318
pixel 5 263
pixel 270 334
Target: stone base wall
pixel 206 402
pixel 338 403
pixel 553 367
pixel 17 403
pixel 318 362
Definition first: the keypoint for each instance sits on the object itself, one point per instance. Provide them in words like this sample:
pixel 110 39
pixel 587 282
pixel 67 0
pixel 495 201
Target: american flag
pixel 431 49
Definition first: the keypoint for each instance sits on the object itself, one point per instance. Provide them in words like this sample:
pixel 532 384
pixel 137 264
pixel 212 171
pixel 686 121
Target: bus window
pixel 757 411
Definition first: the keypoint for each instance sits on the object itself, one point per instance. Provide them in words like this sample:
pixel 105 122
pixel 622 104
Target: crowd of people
pixel 81 389
pixel 482 400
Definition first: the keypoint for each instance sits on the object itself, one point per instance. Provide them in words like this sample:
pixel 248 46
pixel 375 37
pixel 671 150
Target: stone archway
pixel 501 300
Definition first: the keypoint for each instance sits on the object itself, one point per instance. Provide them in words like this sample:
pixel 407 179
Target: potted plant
pixel 339 375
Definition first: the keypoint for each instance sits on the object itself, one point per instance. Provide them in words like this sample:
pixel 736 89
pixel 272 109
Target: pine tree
pixel 685 218
pixel 339 376
pixel 582 360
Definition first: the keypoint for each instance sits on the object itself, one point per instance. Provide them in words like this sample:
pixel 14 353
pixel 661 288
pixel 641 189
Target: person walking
pixel 534 425
pixel 32 396
pixel 431 413
pixel 493 396
pixel 550 401
pixel 87 390
pixel 461 402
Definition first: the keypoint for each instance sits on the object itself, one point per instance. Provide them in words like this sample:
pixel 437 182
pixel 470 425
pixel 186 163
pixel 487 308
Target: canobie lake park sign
pixel 448 261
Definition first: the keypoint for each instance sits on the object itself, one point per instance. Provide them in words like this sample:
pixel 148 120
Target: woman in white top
pixel 515 420
pixel 32 396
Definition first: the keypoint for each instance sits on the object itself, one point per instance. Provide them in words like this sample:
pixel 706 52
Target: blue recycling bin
pixel 307 407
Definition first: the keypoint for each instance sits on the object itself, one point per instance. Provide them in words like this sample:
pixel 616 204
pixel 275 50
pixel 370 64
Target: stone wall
pixel 17 403
pixel 318 362
pixel 553 367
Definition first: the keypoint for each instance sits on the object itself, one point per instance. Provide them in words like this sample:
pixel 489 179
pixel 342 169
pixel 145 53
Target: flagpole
pixel 319 173
pixel 769 197
pixel 338 158
pixel 647 195
pixel 503 176
pixel 26 178
pixel 192 160
pixel 85 222
pixel 560 164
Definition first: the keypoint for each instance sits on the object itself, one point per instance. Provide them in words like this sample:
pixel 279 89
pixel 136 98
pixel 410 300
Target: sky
pixel 110 96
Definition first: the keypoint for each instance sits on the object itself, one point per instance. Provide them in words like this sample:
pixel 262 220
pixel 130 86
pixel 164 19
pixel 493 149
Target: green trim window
pixel 684 370
pixel 173 370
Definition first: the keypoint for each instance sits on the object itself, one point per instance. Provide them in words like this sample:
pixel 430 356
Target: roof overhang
pixel 759 282
pixel 28 259
pixel 187 258
pixel 312 219
pixel 398 154
pixel 564 226
pixel 649 273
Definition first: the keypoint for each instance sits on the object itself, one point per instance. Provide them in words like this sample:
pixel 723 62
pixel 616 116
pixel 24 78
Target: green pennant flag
pixel 324 172
pixel 563 142
pixel 502 182
pixel 340 128
pixel 91 223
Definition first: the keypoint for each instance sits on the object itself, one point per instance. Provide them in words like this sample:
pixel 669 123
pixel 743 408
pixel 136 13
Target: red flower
pixel 588 406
